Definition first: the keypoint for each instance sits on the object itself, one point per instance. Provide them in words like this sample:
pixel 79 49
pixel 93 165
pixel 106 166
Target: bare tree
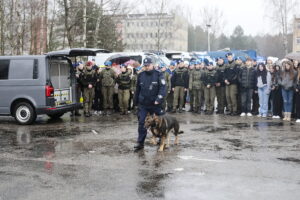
pixel 2 21
pixel 282 12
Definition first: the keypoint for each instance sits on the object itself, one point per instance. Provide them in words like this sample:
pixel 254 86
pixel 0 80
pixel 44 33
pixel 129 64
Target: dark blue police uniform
pixel 150 88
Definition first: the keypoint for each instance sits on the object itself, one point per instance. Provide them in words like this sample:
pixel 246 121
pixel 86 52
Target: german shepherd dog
pixel 160 127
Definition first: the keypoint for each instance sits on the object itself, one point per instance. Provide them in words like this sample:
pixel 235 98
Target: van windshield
pixel 60 74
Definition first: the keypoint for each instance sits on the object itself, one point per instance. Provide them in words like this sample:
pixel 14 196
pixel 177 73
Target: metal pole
pixel 208 37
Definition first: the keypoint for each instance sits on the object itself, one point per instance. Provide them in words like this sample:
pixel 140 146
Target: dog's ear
pixel 154 115
pixel 148 114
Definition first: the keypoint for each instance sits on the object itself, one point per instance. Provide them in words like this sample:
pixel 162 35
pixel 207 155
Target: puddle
pixel 211 129
pixel 152 185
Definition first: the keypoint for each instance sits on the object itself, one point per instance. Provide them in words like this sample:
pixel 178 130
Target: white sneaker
pixel 249 114
pixel 298 121
pixel 264 116
pixel 243 114
pixel 276 117
pixel 259 115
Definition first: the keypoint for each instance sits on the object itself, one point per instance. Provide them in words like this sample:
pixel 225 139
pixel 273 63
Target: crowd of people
pixel 232 86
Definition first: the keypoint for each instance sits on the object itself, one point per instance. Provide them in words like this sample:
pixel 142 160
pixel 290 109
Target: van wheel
pixel 24 113
pixel 55 116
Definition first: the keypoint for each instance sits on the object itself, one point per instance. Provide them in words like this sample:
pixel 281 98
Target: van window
pixel 60 74
pixel 4 68
pixel 21 69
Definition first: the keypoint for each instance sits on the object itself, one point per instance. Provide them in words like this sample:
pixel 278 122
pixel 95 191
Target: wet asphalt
pixel 219 157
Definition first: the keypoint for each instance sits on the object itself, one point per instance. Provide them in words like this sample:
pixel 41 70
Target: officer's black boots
pixel 138 146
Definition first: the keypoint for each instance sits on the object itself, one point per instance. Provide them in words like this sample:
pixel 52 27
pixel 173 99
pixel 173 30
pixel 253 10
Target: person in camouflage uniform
pixel 231 80
pixel 79 88
pixel 107 78
pixel 220 86
pixel 195 86
pixel 167 77
pixel 170 97
pixel 209 79
pixel 88 81
pixel 191 94
pixel 124 82
pixel 180 84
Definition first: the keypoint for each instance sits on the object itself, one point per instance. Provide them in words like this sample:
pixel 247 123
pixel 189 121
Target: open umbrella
pixel 293 56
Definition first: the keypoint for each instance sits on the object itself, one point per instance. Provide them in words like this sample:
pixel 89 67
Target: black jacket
pixel 247 78
pixel 150 87
pixel 124 81
pixel 180 78
pixel 231 73
pixel 88 77
pixel 220 74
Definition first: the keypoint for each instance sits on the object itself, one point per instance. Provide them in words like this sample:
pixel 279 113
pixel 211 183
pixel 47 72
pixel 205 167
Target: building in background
pixel 159 32
pixel 296 34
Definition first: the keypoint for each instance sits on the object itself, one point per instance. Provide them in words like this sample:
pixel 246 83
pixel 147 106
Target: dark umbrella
pixel 293 56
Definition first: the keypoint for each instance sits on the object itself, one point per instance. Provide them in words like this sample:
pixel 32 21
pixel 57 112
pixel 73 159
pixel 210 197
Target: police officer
pixel 108 77
pixel 220 86
pixel 89 80
pixel 124 82
pixel 180 84
pixel 150 92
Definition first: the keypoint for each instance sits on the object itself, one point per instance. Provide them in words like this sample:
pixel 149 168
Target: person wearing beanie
pixel 195 86
pixel 231 80
pixel 108 77
pixel 220 86
pixel 180 84
pixel 89 80
pixel 209 79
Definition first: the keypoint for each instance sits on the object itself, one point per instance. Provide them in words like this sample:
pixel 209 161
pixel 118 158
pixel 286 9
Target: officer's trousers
pixel 88 94
pixel 123 96
pixel 178 93
pixel 108 93
pixel 170 99
pixel 221 98
pixel 210 95
pixel 231 97
pixel 143 111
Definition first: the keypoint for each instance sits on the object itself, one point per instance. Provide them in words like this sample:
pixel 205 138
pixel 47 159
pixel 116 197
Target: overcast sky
pixel 250 14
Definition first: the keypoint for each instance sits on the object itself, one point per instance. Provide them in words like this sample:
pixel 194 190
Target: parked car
pixel 40 84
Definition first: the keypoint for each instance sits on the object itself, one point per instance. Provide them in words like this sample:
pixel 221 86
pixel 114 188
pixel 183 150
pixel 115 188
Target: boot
pixel 285 116
pixel 288 116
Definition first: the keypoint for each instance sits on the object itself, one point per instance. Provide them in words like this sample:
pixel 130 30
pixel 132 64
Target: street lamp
pixel 208 38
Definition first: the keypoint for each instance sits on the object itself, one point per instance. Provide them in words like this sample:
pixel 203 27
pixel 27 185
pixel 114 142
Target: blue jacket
pixel 150 87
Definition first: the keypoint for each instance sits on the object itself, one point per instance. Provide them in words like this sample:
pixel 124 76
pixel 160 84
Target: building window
pixel 4 68
pixel 298 40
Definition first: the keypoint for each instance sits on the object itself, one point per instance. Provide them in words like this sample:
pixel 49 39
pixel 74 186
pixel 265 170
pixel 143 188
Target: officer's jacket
pixel 195 81
pixel 247 77
pixel 231 73
pixel 220 74
pixel 209 77
pixel 124 81
pixel 107 77
pixel 88 77
pixel 151 87
pixel 180 78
